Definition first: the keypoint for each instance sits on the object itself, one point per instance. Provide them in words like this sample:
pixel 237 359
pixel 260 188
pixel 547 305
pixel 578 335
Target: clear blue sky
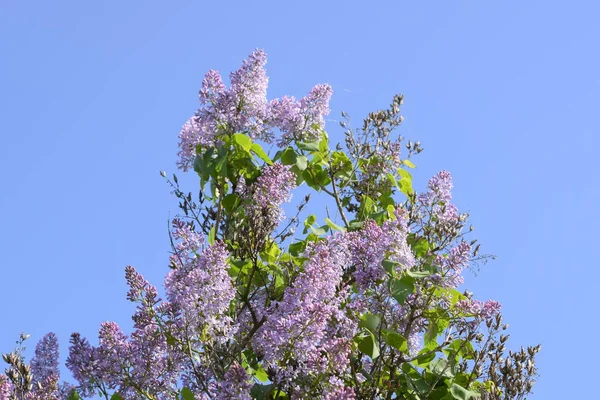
pixel 505 95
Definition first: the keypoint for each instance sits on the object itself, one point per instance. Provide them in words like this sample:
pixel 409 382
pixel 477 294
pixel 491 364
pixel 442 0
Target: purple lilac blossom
pixel 241 108
pixel 45 362
pixel 118 360
pixel 154 365
pixel 340 392
pixel 188 244
pixel 212 88
pixel 478 308
pixel 202 292
pixel 301 120
pixel 249 92
pixel 273 186
pixel 244 108
pixel 143 293
pixel 452 265
pixel 82 364
pixel 112 354
pixel 6 388
pixel 372 244
pixel 368 247
pixel 48 389
pixel 372 176
pixel 440 187
pixel 299 325
pixel 438 198
pixel 236 384
pixel 271 189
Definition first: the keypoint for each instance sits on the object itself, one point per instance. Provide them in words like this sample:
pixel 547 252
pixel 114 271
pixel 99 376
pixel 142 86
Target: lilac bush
pixel 365 305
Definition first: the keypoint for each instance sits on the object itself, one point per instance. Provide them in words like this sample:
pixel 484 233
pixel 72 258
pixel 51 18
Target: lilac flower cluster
pixel 233 311
pixel 141 363
pixel 241 108
pixel 202 293
pixel 339 391
pixel 374 243
pixel 236 384
pixel 452 265
pixel 273 187
pixel 199 292
pixel 188 244
pixel 244 108
pixel 200 289
pixel 438 198
pixel 479 309
pixel 303 329
pixel 383 160
pixel 440 188
pixel 44 364
pixel 265 197
pixel 6 388
pixel 39 379
pixel 301 120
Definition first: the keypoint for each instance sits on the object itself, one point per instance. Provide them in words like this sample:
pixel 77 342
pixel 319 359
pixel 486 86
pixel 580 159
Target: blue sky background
pixel 502 94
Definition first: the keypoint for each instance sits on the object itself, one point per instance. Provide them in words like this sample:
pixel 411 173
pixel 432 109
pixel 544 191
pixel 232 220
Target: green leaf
pixel 260 392
pixel 440 367
pixel 409 164
pixel 392 180
pixel 261 374
pixel 116 396
pixel 425 359
pixel 270 253
pixel 256 149
pixel 297 248
pixel 324 143
pixel 404 174
pixel 187 394
pixel 432 332
pixel 418 274
pixel 356 224
pixel 420 247
pixel 288 157
pixel 406 187
pixel 440 393
pixel 309 221
pixel 396 340
pixel 369 346
pixel 301 162
pixel 334 226
pixel 171 341
pixel 319 231
pixel 310 181
pixel 390 266
pixel 308 146
pixel 74 395
pixel 460 393
pixel 211 235
pixel 369 321
pixel 463 348
pixel 243 141
pixel 341 164
pixel 415 380
pixel 369 204
pixel 391 211
pixel 402 288
pixel 229 201
pixel 454 295
pixel 221 166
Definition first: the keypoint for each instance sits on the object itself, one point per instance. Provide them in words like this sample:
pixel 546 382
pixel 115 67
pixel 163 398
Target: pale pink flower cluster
pixel 244 108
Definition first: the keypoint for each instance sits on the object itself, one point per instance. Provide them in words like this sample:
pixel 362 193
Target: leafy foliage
pixel 364 304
